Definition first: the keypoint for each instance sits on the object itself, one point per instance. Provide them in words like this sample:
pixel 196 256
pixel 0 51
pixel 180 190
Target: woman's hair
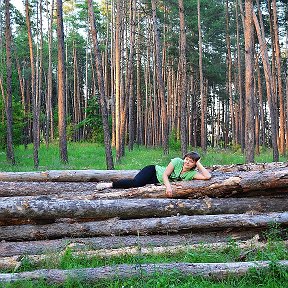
pixel 193 155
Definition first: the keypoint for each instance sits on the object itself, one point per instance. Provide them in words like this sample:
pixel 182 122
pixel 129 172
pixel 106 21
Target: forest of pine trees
pixel 205 73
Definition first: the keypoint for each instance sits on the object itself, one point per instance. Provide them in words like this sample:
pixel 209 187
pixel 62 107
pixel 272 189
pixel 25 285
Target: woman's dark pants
pixel 145 176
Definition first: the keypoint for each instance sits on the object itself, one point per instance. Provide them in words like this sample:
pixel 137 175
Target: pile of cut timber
pixel 44 213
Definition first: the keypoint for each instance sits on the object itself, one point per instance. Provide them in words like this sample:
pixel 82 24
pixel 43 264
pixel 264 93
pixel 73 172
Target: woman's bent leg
pixel 145 176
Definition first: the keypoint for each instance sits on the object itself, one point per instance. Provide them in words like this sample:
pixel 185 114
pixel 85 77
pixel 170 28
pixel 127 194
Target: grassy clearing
pixel 92 156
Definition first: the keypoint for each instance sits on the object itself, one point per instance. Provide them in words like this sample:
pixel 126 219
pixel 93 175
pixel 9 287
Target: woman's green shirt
pixel 176 174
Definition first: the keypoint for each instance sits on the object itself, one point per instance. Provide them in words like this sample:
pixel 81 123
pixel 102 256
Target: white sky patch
pixel 19 5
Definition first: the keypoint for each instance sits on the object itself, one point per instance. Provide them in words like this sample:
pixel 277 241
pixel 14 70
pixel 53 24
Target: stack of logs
pixel 44 213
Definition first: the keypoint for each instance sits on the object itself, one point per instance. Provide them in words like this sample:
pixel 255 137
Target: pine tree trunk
pixel 49 109
pixel 249 83
pixel 287 107
pixel 140 102
pixel 8 103
pixel 279 80
pixel 129 80
pixel 159 75
pixel 272 55
pixel 118 79
pixel 261 109
pixel 269 86
pixel 33 89
pixel 256 112
pixel 40 73
pixel 107 137
pixel 183 81
pixel 202 95
pixel 61 86
pixel 76 97
pixel 240 90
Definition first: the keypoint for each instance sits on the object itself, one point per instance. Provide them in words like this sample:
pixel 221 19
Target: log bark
pixel 134 208
pixel 144 226
pixel 68 175
pixel 90 275
pixel 111 175
pixel 14 262
pixel 248 167
pixel 8 189
pixel 270 182
pixel 8 249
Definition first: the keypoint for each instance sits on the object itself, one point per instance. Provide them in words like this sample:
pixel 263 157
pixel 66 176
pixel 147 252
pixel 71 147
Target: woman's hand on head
pixel 203 173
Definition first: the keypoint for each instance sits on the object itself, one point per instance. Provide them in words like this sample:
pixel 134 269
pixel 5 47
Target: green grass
pixel 275 276
pixel 92 156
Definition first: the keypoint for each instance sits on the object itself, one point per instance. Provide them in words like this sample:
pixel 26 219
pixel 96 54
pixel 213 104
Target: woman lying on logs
pixel 177 170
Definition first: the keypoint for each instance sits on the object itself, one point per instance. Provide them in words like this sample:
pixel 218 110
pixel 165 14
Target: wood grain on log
pixel 68 175
pixel 12 207
pixel 9 189
pixel 90 275
pixel 144 226
pixel 114 242
pixel 248 167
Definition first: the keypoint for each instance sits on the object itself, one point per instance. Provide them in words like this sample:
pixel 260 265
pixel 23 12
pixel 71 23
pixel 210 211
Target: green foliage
pixel 93 122
pixel 18 124
pixel 275 233
pixel 174 141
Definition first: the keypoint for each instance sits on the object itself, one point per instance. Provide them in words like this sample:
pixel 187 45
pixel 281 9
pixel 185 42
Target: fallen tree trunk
pixel 9 189
pixel 134 208
pixel 114 242
pixel 249 167
pixel 68 175
pixel 141 226
pixel 111 175
pixel 225 185
pixel 14 262
pixel 90 275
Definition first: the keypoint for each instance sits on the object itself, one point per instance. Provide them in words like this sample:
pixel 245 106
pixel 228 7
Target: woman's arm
pixel 203 173
pixel 169 169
